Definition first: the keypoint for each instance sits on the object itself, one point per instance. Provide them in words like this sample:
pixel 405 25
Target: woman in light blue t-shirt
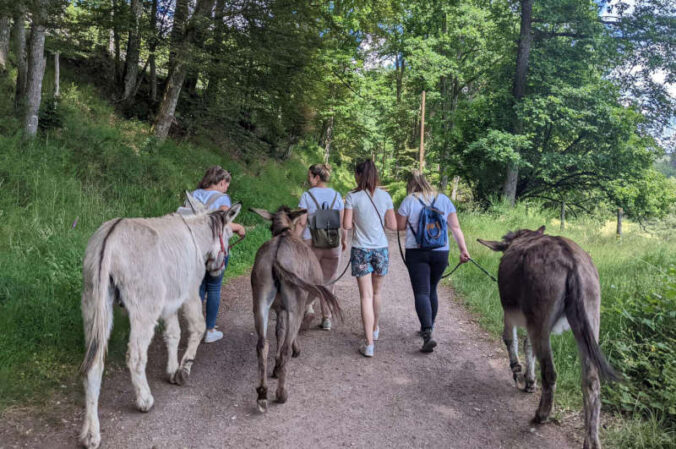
pixel 317 196
pixel 211 192
pixel 426 266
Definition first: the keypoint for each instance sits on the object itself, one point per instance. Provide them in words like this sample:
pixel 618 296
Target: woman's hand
pixel 238 229
pixel 464 256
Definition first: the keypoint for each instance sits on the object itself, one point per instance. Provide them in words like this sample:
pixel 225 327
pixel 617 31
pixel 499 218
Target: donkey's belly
pixel 561 326
pixel 515 317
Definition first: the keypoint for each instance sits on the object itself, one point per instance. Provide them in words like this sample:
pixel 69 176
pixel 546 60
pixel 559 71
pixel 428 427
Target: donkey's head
pixel 284 219
pixel 221 233
pixel 512 237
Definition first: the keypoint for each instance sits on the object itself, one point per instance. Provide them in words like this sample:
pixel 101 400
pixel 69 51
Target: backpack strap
pixel 314 199
pixel 434 201
pixel 334 201
pixel 213 198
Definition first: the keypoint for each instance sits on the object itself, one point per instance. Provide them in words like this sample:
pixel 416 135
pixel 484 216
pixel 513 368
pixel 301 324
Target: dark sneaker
pixel 428 343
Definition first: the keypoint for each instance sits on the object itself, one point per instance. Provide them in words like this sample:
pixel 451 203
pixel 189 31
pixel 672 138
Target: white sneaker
pixel 367 350
pixel 376 334
pixel 326 324
pixel 212 335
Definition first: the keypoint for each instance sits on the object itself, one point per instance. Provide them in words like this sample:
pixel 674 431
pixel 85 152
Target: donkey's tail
pixel 97 305
pixel 582 329
pixel 320 291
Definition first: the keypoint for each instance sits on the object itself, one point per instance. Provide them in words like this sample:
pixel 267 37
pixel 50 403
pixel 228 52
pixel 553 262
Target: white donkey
pixel 152 267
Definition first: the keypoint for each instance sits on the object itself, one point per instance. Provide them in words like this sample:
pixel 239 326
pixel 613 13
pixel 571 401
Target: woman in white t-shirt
pixel 369 210
pixel 426 266
pixel 318 196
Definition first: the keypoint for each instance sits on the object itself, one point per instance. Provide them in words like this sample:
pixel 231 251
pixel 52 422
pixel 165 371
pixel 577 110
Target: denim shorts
pixel 369 260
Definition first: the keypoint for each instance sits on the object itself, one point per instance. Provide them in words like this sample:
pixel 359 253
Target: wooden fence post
pixel 620 212
pixel 563 215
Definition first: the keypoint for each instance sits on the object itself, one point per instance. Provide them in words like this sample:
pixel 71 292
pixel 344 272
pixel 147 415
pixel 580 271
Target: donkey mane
pixel 217 220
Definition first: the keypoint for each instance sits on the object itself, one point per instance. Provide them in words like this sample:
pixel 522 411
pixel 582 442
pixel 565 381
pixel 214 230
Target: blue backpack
pixel 432 227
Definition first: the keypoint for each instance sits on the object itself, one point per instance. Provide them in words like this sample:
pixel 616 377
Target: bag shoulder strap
pixel 434 200
pixel 376 208
pixel 421 201
pixel 213 198
pixel 334 200
pixel 314 199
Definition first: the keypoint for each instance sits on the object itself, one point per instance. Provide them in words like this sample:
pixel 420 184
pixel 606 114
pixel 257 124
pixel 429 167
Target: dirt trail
pixel 461 396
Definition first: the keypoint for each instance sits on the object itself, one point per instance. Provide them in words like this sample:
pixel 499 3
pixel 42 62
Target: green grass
pixel 638 316
pixel 94 168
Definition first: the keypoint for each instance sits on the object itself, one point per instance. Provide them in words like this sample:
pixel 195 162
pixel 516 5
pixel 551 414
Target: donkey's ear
pixel 540 230
pixel 495 246
pixel 233 212
pixel 196 205
pixel 296 213
pixel 262 212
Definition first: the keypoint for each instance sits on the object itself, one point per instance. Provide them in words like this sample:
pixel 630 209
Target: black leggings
pixel 425 268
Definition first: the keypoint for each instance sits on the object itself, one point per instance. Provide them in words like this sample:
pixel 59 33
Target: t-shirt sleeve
pixel 339 202
pixel 388 202
pixel 349 201
pixel 449 207
pixel 303 201
pixel 405 207
pixel 222 201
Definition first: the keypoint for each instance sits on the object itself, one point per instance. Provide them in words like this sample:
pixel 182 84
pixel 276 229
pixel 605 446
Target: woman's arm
pixel 401 221
pixel 238 229
pixel 300 225
pixel 458 236
pixel 390 220
pixel 347 219
pixel 343 231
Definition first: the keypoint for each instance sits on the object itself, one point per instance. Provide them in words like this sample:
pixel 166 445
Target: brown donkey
pixel 549 284
pixel 286 277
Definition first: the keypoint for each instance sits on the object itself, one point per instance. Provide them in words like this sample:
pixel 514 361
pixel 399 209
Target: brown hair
pixel 367 176
pixel 214 175
pixel 321 170
pixel 417 184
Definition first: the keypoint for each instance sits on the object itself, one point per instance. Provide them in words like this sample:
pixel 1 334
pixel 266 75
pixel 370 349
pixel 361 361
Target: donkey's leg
pixel 263 297
pixel 90 437
pixel 294 321
pixel 543 351
pixel 280 332
pixel 192 311
pixel 592 404
pixel 172 335
pixel 509 336
pixel 530 366
pixel 295 348
pixel 137 356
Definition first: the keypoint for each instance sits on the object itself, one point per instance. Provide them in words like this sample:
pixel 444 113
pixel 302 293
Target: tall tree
pixel 5 27
pixel 133 51
pixel 36 68
pixel 19 38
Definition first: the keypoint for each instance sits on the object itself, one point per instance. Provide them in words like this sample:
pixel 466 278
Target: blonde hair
pixel 213 176
pixel 321 170
pixel 419 186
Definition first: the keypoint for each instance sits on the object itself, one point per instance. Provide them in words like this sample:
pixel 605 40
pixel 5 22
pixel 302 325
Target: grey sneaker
pixel 376 334
pixel 212 335
pixel 326 324
pixel 367 350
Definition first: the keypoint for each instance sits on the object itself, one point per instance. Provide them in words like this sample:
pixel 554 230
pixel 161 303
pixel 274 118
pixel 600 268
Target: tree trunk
pixel 19 30
pixel 57 75
pixel 518 91
pixel 328 140
pixel 5 28
pixel 454 193
pixel 153 47
pixel 181 52
pixel 562 215
pixel 36 71
pixel 133 51
pixel 620 212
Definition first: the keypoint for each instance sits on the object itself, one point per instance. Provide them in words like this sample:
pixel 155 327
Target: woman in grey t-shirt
pixel 369 210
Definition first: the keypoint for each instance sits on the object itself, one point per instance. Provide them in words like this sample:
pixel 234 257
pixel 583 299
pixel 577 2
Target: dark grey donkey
pixel 286 277
pixel 549 284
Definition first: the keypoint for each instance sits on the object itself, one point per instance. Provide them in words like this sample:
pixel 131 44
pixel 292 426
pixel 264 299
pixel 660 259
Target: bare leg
pixel 172 335
pixel 377 283
pixel 367 313
pixel 137 357
pixel 192 311
pixel 530 366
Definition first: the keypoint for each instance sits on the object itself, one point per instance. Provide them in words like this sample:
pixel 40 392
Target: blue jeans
pixel 211 288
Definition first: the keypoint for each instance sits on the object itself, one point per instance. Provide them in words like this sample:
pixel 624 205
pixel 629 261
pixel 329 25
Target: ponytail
pixel 321 170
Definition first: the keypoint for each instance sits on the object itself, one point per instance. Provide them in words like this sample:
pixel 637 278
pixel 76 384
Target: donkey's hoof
pixel 145 404
pixel 530 387
pixel 282 396
pixel 90 439
pixel 262 405
pixel 539 419
pixel 181 376
pixel 295 352
pixel 275 373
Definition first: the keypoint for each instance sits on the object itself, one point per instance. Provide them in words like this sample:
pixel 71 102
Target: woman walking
pixel 427 249
pixel 321 197
pixel 211 191
pixel 369 210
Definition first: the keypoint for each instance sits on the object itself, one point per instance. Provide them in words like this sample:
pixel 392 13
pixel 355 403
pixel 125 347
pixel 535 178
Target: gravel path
pixel 461 396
